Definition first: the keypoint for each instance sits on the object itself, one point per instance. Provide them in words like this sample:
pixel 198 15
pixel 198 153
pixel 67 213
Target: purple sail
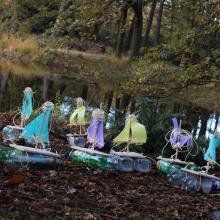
pixel 95 130
pixel 175 123
pixel 178 138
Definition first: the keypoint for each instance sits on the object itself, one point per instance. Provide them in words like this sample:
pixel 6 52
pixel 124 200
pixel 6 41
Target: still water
pixel 64 88
pixel 46 86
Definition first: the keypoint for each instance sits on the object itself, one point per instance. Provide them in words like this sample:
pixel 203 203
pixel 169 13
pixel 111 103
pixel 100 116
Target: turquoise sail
pixel 27 106
pixel 37 131
pixel 214 143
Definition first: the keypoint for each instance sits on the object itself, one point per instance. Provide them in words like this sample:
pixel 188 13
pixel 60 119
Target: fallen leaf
pixel 53 173
pixel 14 180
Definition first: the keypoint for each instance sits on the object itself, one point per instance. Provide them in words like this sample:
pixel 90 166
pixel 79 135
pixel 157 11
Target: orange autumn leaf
pixel 14 180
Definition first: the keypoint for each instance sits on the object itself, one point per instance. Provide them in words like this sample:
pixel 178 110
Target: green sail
pixel 133 132
pixel 78 116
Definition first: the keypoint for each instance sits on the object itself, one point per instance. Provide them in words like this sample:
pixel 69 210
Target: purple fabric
pixel 95 132
pixel 176 137
pixel 175 123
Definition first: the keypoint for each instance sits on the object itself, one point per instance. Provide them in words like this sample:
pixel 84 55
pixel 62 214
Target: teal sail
pixel 37 131
pixel 214 143
pixel 27 106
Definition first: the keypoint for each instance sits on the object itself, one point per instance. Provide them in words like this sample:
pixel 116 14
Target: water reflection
pixel 49 85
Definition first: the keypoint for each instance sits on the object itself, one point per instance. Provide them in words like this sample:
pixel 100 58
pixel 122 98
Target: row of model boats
pixel 37 149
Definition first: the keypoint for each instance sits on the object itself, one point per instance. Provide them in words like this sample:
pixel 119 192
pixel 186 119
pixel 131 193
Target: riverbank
pixel 36 50
pixel 149 75
pixel 75 191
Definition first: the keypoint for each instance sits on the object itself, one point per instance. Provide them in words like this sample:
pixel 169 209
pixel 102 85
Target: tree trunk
pixel 149 23
pixel 121 33
pixel 137 31
pixel 62 88
pixel 4 80
pixel 204 119
pixel 125 100
pixel 15 17
pixel 210 131
pixel 47 85
pixel 216 122
pixel 133 103
pixel 117 103
pixel 194 120
pixel 118 114
pixel 84 92
pixel 176 107
pixel 159 20
pixel 129 36
pixel 109 98
pixel 64 5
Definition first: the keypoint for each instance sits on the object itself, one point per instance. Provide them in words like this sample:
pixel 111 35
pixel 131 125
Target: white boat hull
pixel 34 150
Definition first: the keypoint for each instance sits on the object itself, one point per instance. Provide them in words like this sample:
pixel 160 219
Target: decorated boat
pixel 180 140
pixel 126 160
pixel 77 119
pixel 37 150
pixel 36 133
pixel 12 132
pixel 202 179
pixel 95 136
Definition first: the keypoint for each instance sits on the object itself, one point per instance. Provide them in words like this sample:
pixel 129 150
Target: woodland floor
pixel 74 191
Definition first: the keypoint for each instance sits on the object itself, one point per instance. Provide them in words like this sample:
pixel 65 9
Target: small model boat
pixel 180 140
pixel 36 133
pixel 125 160
pixel 12 132
pixel 201 179
pixel 77 119
pixel 95 137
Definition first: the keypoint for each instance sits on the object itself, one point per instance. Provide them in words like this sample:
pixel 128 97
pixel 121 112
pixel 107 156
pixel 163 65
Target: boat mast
pixel 177 145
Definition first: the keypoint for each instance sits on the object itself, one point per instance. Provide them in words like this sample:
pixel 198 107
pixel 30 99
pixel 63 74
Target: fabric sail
pixel 181 139
pixel 96 129
pixel 133 132
pixel 27 106
pixel 214 143
pixel 178 138
pixel 39 128
pixel 78 116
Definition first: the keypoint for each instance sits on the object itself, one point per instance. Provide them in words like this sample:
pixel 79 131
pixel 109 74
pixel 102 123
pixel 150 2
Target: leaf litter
pixel 76 191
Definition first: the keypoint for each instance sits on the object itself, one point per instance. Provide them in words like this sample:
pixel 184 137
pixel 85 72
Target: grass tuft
pixel 26 46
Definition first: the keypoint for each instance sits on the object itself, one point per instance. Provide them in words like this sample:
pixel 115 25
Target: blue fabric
pixel 27 106
pixel 38 127
pixel 214 143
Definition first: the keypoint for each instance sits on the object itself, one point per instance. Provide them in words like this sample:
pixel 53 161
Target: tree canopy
pixel 173 44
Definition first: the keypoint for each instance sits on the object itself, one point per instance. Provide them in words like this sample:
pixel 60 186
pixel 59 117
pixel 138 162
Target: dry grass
pixel 26 71
pixel 26 45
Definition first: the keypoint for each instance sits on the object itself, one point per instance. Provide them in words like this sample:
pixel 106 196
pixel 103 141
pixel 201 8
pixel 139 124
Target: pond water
pixel 63 89
pixel 46 86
